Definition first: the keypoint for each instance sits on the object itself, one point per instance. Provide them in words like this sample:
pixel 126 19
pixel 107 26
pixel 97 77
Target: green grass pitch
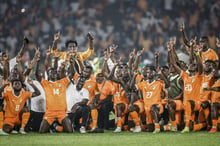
pixel 113 139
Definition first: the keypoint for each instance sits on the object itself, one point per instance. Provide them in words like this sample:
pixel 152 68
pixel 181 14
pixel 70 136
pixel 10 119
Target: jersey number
pixel 17 107
pixel 56 91
pixel 188 87
pixel 148 95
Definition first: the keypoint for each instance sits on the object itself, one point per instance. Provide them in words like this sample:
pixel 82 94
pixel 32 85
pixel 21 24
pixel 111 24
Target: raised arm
pixel 56 39
pixel 197 52
pixel 136 63
pixel 71 67
pixel 3 87
pixel 20 71
pixel 91 38
pixel 25 42
pixel 131 58
pixel 6 69
pixel 38 74
pixel 36 90
pixel 156 59
pixel 186 42
pixel 192 44
pixel 172 61
pixel 48 60
pixel 133 81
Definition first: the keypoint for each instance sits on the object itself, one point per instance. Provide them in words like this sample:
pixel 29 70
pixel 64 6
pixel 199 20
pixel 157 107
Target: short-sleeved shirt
pixel 105 89
pixel 151 92
pixel 55 93
pixel 75 96
pixel 119 94
pixel 207 81
pixel 92 87
pixel 192 86
pixel 14 103
pixel 216 95
pixel 209 55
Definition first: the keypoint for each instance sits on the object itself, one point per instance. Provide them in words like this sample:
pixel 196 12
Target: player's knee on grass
pixel 150 127
pixel 7 128
pixel 67 125
pixel 44 127
pixel 205 104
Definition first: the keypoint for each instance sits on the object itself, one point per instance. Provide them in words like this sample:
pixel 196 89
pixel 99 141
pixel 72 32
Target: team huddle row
pixel 72 98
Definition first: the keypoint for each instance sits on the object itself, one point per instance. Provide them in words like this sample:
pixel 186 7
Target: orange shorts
pixel 140 104
pixel 196 107
pixel 150 119
pixel 12 121
pixel 179 105
pixel 50 116
pixel 126 108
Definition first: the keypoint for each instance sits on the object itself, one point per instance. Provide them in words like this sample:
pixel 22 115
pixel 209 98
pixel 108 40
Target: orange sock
pixel 178 117
pixel 94 114
pixel 166 128
pixel 188 113
pixel 25 118
pixel 1 120
pixel 173 123
pixel 59 128
pixel 119 122
pixel 199 126
pixel 135 118
pixel 214 123
pixel 157 126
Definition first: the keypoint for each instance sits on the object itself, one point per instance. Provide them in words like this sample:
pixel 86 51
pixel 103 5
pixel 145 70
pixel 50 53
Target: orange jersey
pixel 192 86
pixel 55 93
pixel 139 78
pixel 105 89
pixel 216 95
pixel 209 55
pixel 14 103
pixel 92 87
pixel 207 81
pixel 151 92
pixel 82 55
pixel 119 94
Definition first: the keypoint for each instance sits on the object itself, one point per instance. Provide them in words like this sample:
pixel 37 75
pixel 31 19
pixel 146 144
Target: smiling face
pixel 100 78
pixel 203 43
pixel 80 83
pixel 72 47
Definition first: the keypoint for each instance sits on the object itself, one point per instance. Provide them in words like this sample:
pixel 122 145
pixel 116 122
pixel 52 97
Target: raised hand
pixel 131 55
pixel 135 72
pixel 117 62
pixel 217 42
pixel 156 54
pixel 169 48
pixel 25 40
pixel 90 36
pixel 18 58
pixel 182 27
pixel 48 53
pixel 57 36
pixel 30 81
pixel 112 48
pixel 37 54
pixel 140 52
pixel 193 41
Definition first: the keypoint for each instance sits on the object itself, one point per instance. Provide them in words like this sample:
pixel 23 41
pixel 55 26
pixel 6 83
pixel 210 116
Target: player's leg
pixel 150 120
pixel 155 109
pixel 119 109
pixel 7 128
pixel 94 116
pixel 215 107
pixel 189 106
pixel 1 119
pixel 206 107
pixel 44 126
pixel 134 114
pixel 172 112
pixel 24 116
pixel 67 127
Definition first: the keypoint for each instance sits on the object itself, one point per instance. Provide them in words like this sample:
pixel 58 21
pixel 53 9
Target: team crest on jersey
pixel 206 58
pixel 21 100
pixel 154 87
pixel 59 85
pixel 89 86
pixel 193 80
